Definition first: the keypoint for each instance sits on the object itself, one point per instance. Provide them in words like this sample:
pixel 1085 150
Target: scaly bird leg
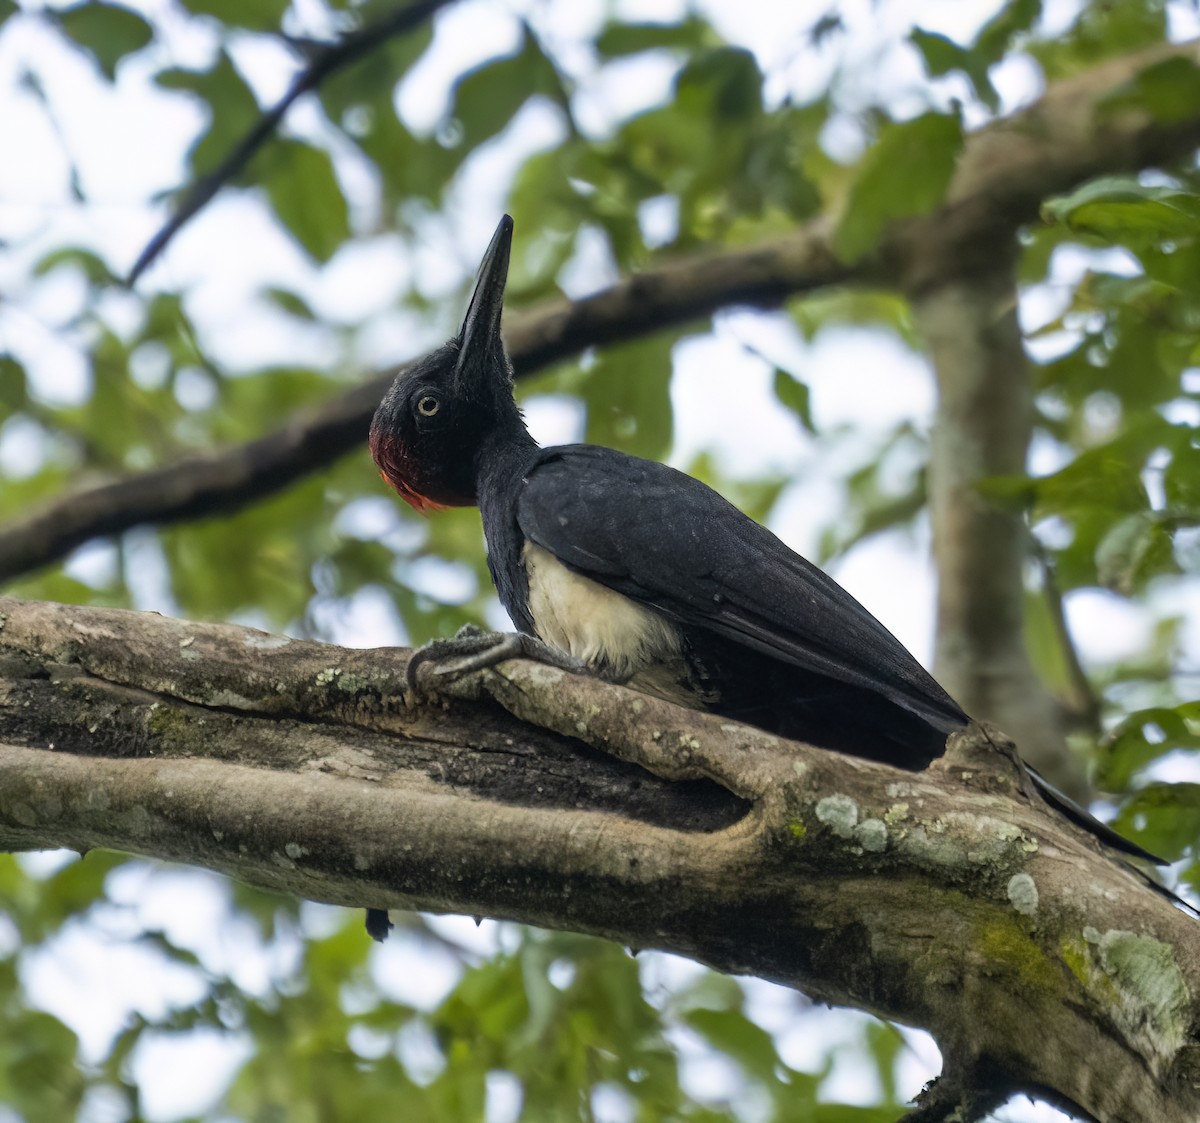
pixel 473 649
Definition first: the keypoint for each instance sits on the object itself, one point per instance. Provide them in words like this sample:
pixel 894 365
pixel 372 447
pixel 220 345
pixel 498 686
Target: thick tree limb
pixel 327 60
pixel 942 899
pixel 1005 171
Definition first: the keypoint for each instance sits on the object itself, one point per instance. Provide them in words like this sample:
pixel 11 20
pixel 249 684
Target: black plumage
pixel 648 575
pixel 766 636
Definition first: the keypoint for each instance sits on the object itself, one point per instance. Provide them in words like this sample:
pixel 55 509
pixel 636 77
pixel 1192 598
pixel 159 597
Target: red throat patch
pixel 393 462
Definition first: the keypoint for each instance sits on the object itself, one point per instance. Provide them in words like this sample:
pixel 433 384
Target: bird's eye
pixel 428 406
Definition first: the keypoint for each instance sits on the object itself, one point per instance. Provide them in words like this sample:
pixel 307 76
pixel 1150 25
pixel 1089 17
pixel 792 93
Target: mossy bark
pixel 943 899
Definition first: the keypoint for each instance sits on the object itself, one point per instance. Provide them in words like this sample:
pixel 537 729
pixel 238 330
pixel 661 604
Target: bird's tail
pixel 1085 819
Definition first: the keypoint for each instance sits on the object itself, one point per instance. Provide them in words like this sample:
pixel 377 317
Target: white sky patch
pixel 364 279
pixel 193 908
pixel 22 448
pixel 705 1075
pixel 453 582
pixel 202 1065
pixel 504 1098
pixel 623 88
pixel 721 395
pixel 367 618
pixel 591 267
pixel 904 600
pixel 481 189
pixel 555 419
pixel 465 35
pixel 1106 626
pixel 482 939
pixel 93 983
pixel 393 969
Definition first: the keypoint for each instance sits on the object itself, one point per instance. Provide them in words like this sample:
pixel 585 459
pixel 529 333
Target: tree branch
pixel 1004 173
pixel 228 479
pixel 941 899
pixel 327 60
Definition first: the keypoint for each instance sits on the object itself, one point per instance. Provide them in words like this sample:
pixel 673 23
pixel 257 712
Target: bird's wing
pixel 666 540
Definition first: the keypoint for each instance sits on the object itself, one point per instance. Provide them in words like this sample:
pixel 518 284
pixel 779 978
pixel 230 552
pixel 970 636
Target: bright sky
pixel 128 143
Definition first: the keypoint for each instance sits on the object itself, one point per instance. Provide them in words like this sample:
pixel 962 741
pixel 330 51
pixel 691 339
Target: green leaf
pixel 795 395
pixel 1044 642
pixel 857 307
pixel 709 991
pixel 628 395
pixel 735 1035
pixel 1120 209
pixel 1134 550
pixel 617 40
pixel 725 81
pixel 886 1044
pixel 1106 476
pixel 306 196
pixel 943 55
pixel 231 106
pixel 40 1067
pixel 258 15
pixel 940 53
pixel 1011 493
pixel 1181 479
pixel 1142 738
pixel 410 169
pixel 1164 818
pixel 13 393
pixel 905 173
pixel 1170 90
pixel 291 303
pixel 997 35
pixel 1102 30
pixel 488 97
pixel 94 267
pixel 106 32
pixel 374 77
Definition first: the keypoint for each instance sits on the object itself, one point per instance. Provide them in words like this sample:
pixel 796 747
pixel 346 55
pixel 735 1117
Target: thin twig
pixel 1082 706
pixel 325 62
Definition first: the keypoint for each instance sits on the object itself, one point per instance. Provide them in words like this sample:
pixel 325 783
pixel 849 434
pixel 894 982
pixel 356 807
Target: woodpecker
pixel 647 576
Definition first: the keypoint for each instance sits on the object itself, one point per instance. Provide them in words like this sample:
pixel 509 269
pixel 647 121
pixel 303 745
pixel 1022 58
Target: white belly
pixel 619 638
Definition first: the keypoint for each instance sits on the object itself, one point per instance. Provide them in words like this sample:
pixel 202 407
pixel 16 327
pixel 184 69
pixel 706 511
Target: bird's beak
pixel 480 333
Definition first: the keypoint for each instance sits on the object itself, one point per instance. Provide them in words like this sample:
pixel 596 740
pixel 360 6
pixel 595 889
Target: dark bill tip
pixel 481 325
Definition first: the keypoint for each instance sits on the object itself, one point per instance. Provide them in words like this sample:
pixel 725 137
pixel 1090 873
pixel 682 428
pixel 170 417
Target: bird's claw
pixel 474 649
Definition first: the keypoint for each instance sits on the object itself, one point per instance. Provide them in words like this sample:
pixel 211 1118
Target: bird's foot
pixel 473 649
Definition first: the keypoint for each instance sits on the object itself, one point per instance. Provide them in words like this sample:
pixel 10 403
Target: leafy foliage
pixel 905 172
pixel 105 32
pixel 727 153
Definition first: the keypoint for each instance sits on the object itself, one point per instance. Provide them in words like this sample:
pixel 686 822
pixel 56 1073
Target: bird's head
pixel 440 412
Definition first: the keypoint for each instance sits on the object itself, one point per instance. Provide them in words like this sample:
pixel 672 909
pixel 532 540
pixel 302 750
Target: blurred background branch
pixel 323 61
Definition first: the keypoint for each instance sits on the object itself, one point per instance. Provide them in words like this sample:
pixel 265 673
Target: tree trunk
pixel 983 428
